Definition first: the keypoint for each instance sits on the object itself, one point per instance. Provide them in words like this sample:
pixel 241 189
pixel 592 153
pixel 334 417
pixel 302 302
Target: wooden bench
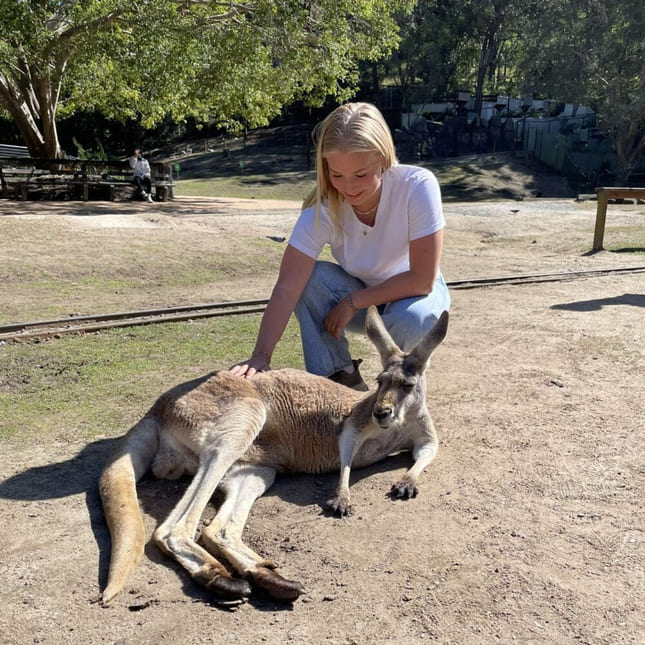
pixel 75 178
pixel 17 175
pixel 604 195
pixel 116 175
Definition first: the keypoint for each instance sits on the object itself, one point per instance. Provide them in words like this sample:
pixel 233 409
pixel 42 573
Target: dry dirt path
pixel 529 525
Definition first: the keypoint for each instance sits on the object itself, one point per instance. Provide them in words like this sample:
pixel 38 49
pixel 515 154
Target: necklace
pixel 360 215
pixel 370 222
pixel 365 213
pixel 374 208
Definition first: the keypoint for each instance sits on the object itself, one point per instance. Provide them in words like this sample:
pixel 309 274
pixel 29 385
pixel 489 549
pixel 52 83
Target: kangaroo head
pixel 401 383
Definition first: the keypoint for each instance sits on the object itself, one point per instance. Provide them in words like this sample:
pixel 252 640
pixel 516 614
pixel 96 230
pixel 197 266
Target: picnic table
pixel 604 194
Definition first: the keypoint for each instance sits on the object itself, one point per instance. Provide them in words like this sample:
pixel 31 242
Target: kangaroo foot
pixel 276 586
pixel 218 580
pixel 340 505
pixel 404 489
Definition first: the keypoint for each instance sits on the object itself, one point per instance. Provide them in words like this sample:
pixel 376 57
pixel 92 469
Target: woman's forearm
pixel 418 280
pixel 402 285
pixel 274 321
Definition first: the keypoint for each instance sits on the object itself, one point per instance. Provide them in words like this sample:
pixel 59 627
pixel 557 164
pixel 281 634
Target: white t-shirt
pixel 410 208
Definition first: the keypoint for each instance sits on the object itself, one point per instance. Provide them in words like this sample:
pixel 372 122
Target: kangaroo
pixel 235 434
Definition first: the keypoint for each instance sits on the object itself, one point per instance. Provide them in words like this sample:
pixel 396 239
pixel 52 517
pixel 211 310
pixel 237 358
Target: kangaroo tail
pixel 117 487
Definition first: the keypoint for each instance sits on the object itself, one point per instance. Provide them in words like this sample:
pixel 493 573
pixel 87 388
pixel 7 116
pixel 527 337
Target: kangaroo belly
pixel 173 460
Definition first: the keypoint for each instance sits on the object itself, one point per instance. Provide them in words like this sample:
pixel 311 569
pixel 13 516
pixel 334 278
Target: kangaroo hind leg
pixel 243 484
pixel 176 535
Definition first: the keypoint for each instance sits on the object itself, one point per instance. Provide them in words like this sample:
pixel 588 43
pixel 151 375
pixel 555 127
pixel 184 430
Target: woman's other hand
pixel 338 318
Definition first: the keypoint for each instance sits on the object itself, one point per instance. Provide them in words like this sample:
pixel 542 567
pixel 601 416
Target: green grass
pixel 83 387
pixel 53 274
pixel 286 186
pixel 629 240
pixel 283 175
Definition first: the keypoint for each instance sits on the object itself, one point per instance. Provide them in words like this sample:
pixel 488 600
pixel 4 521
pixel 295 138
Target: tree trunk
pixel 630 145
pixel 489 52
pixel 481 75
pixel 48 102
pixel 36 120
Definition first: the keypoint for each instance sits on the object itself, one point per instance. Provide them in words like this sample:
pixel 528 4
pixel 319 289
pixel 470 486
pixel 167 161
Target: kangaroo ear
pixel 419 356
pixel 381 338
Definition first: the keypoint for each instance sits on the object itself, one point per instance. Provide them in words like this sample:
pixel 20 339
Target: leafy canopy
pixel 230 62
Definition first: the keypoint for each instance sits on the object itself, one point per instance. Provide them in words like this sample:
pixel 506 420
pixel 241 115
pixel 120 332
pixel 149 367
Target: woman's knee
pixel 407 327
pixel 327 281
pixel 409 320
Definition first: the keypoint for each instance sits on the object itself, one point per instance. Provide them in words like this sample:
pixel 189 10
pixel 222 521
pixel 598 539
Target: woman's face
pixel 356 176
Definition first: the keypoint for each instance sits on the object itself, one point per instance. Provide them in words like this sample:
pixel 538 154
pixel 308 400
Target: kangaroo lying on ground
pixel 236 434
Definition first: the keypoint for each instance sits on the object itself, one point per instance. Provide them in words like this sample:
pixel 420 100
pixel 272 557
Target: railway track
pixel 97 322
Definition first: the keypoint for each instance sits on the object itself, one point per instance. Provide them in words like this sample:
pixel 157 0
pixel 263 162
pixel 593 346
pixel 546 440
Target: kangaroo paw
pixel 404 489
pixel 218 580
pixel 340 505
pixel 276 586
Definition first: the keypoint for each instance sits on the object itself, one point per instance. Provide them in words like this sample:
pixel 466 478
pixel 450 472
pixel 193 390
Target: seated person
pixel 141 173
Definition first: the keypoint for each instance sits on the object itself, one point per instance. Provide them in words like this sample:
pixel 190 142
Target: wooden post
pixel 601 217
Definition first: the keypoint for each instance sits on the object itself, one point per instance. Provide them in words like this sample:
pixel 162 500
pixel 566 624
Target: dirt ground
pixel 529 524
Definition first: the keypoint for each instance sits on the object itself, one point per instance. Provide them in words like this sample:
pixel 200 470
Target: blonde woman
pixel 384 223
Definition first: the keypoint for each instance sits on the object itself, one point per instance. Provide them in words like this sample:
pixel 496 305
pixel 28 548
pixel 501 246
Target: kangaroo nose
pixel 380 414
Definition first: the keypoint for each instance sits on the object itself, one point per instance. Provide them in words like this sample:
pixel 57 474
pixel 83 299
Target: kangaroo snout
pixel 383 414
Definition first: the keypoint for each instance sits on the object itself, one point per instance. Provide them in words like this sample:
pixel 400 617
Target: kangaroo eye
pixel 407 387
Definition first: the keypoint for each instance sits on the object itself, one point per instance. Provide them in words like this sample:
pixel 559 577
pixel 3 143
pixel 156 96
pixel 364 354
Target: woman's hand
pixel 338 318
pixel 249 368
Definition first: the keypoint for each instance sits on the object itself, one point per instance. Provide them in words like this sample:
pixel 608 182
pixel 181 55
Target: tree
pixel 593 52
pixel 450 45
pixel 433 48
pixel 229 62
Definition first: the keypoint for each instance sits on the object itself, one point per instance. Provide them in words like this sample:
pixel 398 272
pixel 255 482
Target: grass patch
pixel 283 174
pixel 625 239
pixel 288 186
pixel 83 387
pixel 96 270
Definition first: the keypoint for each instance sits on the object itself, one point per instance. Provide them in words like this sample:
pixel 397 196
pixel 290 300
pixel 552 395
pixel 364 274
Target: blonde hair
pixel 353 127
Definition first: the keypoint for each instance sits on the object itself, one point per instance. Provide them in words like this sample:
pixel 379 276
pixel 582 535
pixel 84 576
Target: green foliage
pixel 235 64
pixel 593 53
pixel 449 44
pixel 82 153
pixel 577 52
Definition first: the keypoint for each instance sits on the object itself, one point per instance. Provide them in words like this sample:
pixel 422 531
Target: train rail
pixel 98 322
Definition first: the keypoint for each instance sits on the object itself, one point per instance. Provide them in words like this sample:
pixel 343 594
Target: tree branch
pixel 93 25
pixel 230 10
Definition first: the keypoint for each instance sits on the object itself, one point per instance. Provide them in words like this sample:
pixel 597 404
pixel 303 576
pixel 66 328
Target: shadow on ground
pixel 80 473
pixel 632 299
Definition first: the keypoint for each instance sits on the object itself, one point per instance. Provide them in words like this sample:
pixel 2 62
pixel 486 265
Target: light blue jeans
pixel 407 320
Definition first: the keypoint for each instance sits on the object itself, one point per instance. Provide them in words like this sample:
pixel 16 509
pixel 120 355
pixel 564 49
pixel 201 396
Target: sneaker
pixel 353 380
pixel 149 197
